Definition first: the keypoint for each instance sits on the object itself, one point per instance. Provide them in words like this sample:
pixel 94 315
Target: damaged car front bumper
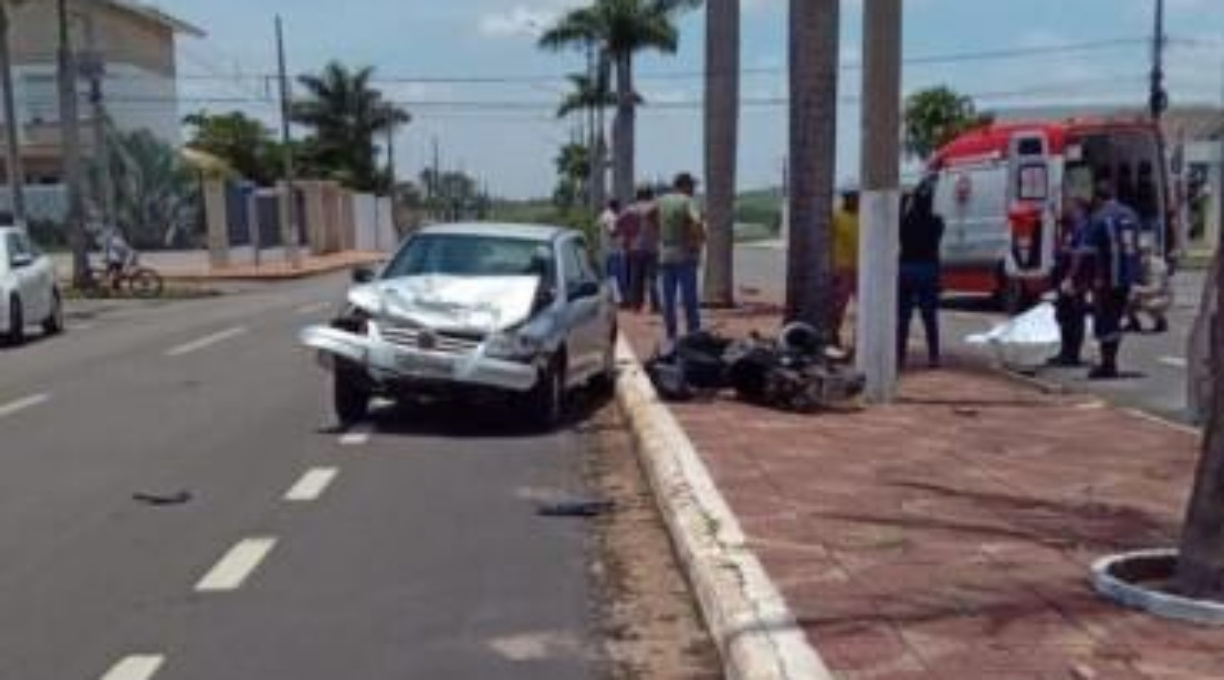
pixel 386 361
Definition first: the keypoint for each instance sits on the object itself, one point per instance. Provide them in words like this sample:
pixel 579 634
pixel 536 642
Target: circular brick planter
pixel 1139 580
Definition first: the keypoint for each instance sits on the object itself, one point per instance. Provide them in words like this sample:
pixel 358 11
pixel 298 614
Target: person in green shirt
pixel 681 238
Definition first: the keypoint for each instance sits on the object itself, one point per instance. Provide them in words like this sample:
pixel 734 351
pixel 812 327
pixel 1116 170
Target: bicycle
pixel 132 278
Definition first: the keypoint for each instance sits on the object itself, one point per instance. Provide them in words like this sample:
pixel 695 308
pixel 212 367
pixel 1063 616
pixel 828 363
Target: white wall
pixel 365 221
pixel 43 202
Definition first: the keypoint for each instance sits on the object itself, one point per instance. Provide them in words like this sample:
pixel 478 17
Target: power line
pixel 533 105
pixel 214 74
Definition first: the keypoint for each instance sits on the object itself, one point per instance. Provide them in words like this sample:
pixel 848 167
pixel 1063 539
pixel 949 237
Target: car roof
pixel 527 232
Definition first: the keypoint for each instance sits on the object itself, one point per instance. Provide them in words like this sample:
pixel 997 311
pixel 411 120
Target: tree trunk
pixel 1200 567
pixel 813 31
pixel 623 130
pixel 12 125
pixel 1199 377
pixel 721 145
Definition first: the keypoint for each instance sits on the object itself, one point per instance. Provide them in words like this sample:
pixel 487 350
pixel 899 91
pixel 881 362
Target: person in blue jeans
pixel 681 238
pixel 918 285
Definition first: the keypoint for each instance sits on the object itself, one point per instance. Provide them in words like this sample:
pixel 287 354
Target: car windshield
pixel 457 255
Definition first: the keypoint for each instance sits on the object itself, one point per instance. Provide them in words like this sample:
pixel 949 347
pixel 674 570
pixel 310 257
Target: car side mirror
pixel 363 274
pixel 586 289
pixel 21 261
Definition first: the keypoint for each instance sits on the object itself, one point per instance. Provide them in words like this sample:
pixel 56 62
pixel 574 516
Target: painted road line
pixel 238 564
pixel 205 342
pixel 137 667
pixel 22 404
pixel 311 485
pixel 1175 362
pixel 358 437
pixel 312 308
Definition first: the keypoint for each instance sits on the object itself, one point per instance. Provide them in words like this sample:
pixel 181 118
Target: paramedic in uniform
pixel 1113 237
pixel 1072 272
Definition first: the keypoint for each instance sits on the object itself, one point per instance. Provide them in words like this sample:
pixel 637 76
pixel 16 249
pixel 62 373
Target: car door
pixel 36 280
pixel 582 308
pixel 43 271
pixel 22 276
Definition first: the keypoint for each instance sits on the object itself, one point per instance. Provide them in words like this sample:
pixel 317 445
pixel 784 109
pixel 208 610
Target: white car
pixel 29 293
pixel 500 309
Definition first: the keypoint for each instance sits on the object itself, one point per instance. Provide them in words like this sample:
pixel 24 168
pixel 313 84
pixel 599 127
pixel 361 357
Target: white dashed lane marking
pixel 237 565
pixel 14 407
pixel 1175 362
pixel 138 667
pixel 311 485
pixel 205 342
pixel 357 437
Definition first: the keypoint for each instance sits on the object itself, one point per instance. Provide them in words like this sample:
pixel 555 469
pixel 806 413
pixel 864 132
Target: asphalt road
pixel 408 549
pixel 1155 364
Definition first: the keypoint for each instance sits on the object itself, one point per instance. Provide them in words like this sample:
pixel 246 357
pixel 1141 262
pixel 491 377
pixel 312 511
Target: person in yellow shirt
pixel 845 255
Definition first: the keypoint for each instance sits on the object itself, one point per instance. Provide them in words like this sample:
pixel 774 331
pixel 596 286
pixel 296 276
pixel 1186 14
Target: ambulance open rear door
pixel 1031 213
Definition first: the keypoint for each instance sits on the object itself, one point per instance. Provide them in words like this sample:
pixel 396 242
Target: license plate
pixel 425 366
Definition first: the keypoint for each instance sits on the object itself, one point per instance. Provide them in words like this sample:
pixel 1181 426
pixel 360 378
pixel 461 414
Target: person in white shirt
pixel 611 247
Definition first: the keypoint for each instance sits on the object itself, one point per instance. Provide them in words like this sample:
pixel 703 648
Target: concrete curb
pixel 1166 605
pixel 757 635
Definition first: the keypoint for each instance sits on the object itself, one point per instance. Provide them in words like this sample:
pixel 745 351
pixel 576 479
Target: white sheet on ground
pixel 1025 341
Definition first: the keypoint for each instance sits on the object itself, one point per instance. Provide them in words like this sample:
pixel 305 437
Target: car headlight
pixel 513 347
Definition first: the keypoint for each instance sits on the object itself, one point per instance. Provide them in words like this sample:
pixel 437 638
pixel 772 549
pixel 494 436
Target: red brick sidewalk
pixel 949 536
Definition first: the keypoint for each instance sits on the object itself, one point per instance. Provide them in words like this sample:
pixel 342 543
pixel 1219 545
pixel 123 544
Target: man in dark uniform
pixel 1072 279
pixel 1113 236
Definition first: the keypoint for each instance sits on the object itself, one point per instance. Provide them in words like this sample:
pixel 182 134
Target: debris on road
pixel 576 508
pixel 157 499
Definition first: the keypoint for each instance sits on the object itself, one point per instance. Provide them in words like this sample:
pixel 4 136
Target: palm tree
pixel 1200 564
pixel 721 140
pixel 346 114
pixel 813 154
pixel 587 93
pixel 621 29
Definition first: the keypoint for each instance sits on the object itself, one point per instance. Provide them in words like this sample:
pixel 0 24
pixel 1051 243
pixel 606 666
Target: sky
pixel 506 132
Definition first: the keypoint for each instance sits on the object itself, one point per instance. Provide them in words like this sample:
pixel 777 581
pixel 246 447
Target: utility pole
pixel 1158 98
pixel 435 180
pixel 392 194
pixel 70 135
pixel 876 335
pixel 12 125
pixel 93 67
pixel 289 222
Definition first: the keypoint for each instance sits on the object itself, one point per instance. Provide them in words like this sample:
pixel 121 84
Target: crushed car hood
pixel 484 304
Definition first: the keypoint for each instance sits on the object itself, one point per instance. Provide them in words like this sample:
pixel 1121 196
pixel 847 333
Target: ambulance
pixel 1002 191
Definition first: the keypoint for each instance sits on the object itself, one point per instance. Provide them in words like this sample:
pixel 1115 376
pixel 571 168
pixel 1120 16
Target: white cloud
pixel 523 21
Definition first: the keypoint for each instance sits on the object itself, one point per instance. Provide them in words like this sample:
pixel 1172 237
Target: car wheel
pixel 350 396
pixel 54 323
pixel 16 333
pixel 547 398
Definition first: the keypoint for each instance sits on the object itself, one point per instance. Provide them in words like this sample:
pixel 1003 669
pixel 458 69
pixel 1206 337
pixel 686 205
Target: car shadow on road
pixel 465 419
pixel 31 339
